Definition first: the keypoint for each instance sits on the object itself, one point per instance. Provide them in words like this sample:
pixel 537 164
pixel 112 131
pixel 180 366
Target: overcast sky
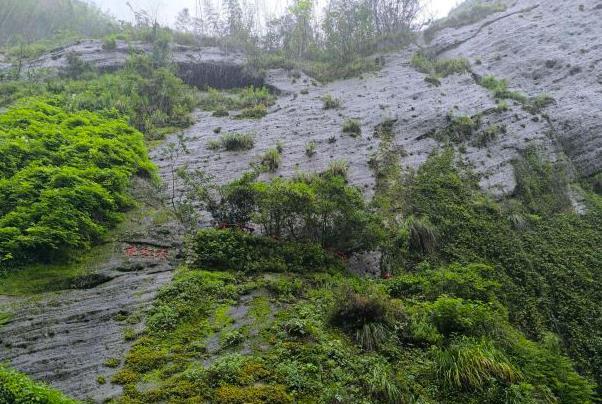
pixel 168 9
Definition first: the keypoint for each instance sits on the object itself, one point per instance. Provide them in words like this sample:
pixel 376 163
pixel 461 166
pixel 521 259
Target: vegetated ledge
pixel 198 66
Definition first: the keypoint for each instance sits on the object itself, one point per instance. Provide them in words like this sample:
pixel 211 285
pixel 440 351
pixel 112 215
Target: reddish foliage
pixel 146 252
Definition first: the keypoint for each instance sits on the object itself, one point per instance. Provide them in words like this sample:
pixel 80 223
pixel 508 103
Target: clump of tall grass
pixel 331 102
pixel 232 142
pixel 470 364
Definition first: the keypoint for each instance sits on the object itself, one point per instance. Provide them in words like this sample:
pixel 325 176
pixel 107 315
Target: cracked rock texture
pixel 552 47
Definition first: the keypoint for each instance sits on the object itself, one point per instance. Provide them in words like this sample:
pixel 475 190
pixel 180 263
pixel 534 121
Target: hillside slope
pixel 546 49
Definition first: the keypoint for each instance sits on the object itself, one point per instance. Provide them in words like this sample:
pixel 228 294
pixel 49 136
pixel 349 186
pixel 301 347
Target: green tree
pixel 348 29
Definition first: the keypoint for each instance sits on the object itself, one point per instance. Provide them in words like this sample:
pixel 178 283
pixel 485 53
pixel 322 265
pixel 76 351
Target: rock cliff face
pixel 549 47
pixel 196 66
pixel 552 47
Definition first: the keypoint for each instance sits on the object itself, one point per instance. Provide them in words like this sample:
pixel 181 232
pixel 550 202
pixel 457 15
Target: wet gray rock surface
pixel 396 92
pixel 205 66
pixel 66 337
pixel 552 47
pixel 540 47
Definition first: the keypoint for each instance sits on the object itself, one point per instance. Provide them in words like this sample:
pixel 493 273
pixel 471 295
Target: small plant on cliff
pixel 109 43
pixel 352 127
pixel 236 99
pixel 310 148
pixel 271 159
pixel 237 141
pixel 256 112
pixel 437 69
pixel 220 112
pixel 331 102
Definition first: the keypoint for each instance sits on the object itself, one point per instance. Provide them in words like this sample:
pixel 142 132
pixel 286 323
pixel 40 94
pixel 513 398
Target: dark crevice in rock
pixel 87 281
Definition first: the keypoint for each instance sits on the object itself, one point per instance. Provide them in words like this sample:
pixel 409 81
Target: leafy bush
pixel 456 316
pixel 235 250
pixel 320 209
pixel 17 388
pixel 65 178
pixel 554 251
pixel 542 187
pixel 460 129
pixel 472 282
pixel 151 97
pixel 366 318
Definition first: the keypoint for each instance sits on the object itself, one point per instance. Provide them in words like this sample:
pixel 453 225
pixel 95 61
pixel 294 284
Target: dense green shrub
pixel 320 209
pixel 451 315
pixel 542 187
pixel 367 318
pixel 472 282
pixel 547 266
pixel 109 43
pixel 152 98
pixel 460 129
pixel 19 389
pixel 64 178
pixel 236 250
